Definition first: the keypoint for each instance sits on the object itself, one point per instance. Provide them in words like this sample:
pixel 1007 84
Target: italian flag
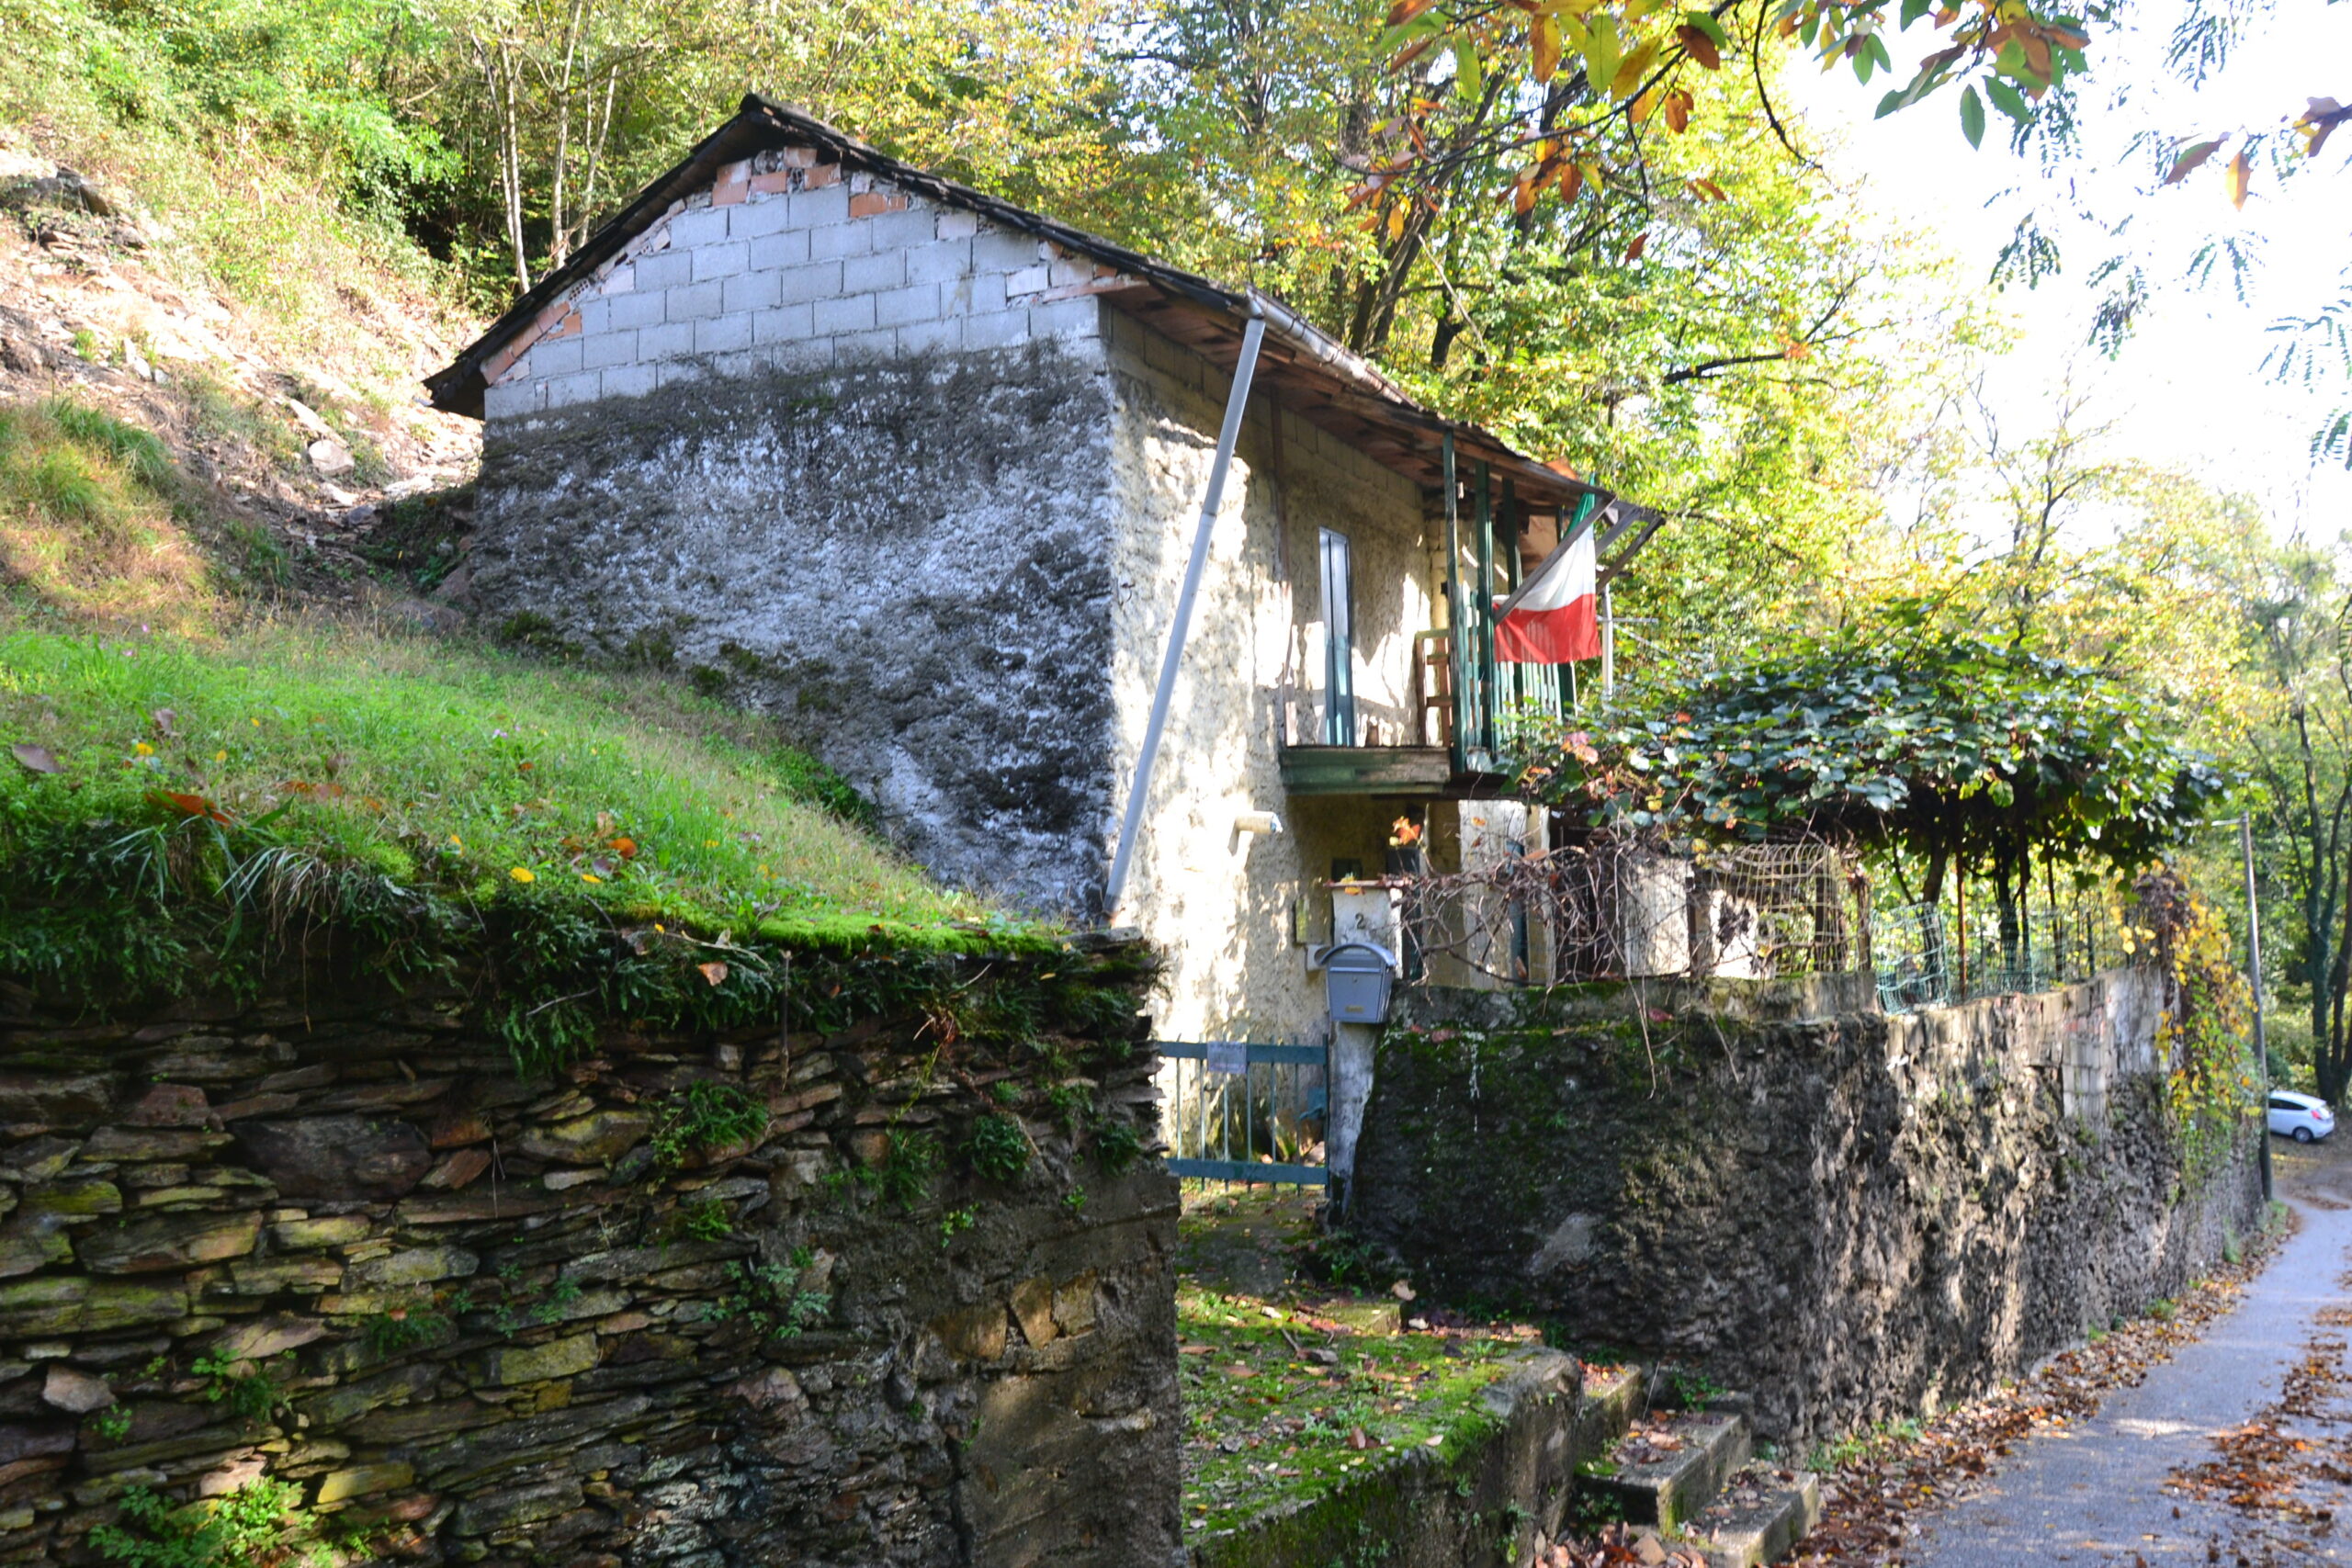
pixel 1553 618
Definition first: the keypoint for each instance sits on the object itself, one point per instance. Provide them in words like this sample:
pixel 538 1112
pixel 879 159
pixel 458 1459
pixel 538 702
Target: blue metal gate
pixel 1238 1112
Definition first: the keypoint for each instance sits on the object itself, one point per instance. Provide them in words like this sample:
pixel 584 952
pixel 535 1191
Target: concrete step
pixel 1762 1512
pixel 1669 1466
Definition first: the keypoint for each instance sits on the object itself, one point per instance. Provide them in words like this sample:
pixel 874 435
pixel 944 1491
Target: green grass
pixel 89 517
pixel 483 775
pixel 181 815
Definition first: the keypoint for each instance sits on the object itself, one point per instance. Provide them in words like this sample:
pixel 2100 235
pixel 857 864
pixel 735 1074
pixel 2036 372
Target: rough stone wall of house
pixel 843 456
pixel 323 1237
pixel 1216 900
pixel 1856 1216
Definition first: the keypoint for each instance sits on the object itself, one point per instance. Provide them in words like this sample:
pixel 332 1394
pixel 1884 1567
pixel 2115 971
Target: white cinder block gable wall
pixel 786 263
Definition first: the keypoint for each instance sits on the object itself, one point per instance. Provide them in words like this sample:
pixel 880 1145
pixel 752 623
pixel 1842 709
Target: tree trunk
pixel 1934 958
pixel 2004 898
pixel 2331 1051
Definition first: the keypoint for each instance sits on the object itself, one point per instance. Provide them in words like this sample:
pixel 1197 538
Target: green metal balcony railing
pixel 1488 694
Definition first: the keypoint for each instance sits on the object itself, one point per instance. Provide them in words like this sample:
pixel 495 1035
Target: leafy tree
pixel 1580 102
pixel 1712 351
pixel 2297 605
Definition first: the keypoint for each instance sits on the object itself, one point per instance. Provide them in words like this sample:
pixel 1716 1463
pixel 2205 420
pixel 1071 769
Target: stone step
pixel 1668 1467
pixel 1762 1512
pixel 1613 1398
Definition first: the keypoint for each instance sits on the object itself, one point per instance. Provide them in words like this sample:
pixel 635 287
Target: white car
pixel 2299 1116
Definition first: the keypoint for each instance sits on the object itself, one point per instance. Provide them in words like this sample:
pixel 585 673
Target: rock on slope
pixel 298 438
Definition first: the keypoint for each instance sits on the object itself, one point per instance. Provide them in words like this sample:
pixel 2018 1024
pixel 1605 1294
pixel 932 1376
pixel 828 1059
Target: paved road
pixel 2091 1496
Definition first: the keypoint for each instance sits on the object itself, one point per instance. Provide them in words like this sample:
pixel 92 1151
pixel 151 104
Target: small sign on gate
pixel 1229 1057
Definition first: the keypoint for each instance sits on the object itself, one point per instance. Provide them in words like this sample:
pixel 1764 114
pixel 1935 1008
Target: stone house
pixel 917 470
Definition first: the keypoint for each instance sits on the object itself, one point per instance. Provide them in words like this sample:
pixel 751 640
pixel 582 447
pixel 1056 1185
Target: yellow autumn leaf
pixel 1545 41
pixel 1636 66
pixel 524 874
pixel 2235 175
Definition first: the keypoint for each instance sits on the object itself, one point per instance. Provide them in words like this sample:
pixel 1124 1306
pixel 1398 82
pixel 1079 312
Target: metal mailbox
pixel 1356 978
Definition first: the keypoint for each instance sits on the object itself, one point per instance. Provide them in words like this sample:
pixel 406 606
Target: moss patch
pixel 1295 1396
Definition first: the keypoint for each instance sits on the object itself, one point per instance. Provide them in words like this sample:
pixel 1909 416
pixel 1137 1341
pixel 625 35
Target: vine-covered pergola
pixel 1962 753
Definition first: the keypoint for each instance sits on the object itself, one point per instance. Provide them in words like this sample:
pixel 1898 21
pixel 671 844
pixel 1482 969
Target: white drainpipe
pixel 1235 403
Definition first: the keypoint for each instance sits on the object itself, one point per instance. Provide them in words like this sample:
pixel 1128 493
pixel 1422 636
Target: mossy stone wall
pixel 555 1322
pixel 1855 1216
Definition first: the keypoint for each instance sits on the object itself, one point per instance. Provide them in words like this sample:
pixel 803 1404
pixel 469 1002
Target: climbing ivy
pixel 2211 1087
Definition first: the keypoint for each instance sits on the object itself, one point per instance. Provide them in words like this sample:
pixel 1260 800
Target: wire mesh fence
pixel 1969 945
pixel 1613 908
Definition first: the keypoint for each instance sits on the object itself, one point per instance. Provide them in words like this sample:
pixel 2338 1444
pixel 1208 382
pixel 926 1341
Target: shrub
pixel 1117 1145
pixel 250 1393
pixel 770 1297
pixel 259 1525
pixel 909 1162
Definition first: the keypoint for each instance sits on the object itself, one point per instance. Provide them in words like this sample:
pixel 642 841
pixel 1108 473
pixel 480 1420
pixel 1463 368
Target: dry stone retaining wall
pixel 1855 1216
pixel 494 1328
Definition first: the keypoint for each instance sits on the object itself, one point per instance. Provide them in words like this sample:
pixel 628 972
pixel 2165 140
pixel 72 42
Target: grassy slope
pixel 94 520
pixel 476 773
pixel 229 773
pixel 240 205
pixel 430 765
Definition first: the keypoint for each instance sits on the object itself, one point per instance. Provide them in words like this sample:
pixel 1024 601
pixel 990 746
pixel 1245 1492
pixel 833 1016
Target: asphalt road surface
pixel 2093 1496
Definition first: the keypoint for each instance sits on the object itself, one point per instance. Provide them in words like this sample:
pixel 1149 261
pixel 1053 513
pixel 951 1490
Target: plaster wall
pixel 1218 901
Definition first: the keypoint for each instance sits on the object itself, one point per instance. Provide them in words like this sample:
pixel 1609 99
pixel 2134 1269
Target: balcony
pixel 1466 701
pixel 1413 752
